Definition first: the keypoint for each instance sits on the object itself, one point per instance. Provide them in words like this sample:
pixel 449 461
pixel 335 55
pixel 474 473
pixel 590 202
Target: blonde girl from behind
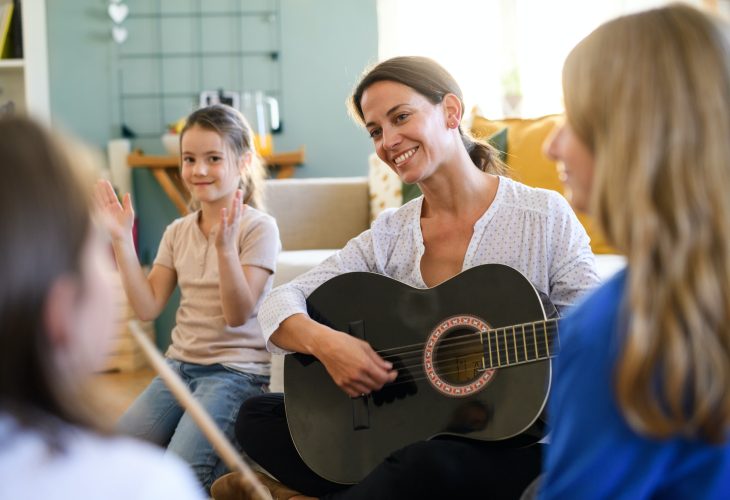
pixel 646 359
pixel 222 256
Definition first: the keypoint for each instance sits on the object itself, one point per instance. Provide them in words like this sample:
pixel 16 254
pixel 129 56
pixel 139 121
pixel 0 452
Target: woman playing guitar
pixel 469 214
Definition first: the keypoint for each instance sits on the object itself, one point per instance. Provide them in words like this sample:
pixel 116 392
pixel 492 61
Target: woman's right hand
pixel 117 217
pixel 354 366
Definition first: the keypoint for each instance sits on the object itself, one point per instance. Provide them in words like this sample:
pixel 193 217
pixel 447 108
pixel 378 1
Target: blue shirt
pixel 593 453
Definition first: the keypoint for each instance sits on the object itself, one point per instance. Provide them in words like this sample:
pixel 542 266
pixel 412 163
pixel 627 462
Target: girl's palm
pixel 230 219
pixel 117 217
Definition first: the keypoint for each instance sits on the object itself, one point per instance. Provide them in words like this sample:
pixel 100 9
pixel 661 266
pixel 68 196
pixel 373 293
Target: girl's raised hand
pixel 117 217
pixel 227 235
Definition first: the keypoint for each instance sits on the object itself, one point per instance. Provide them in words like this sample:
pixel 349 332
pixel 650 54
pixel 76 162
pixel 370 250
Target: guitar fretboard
pixel 518 344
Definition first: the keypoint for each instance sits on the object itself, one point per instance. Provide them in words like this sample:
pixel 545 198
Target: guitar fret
pixel 524 342
pixel 496 342
pixel 547 344
pixel 534 338
pixel 542 348
pixel 506 346
pixel 489 344
pixel 481 339
pixel 519 345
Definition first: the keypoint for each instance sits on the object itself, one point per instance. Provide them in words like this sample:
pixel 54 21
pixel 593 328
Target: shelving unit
pixel 25 81
pixel 176 50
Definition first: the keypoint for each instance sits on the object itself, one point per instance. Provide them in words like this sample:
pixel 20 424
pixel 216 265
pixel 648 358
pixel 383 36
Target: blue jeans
pixel 157 416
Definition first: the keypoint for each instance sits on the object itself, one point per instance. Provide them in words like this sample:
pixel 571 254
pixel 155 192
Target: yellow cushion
pixel 528 164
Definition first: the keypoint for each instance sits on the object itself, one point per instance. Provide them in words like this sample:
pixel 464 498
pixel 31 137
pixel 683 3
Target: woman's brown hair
pixel 432 81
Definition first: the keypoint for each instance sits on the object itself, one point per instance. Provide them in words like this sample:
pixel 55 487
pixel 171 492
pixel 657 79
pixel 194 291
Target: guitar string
pixel 549 325
pixel 507 357
pixel 415 360
pixel 475 347
pixel 453 372
pixel 473 339
pixel 417 364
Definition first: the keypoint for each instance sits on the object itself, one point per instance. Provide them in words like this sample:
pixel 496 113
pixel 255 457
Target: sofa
pixel 315 217
pixel 318 216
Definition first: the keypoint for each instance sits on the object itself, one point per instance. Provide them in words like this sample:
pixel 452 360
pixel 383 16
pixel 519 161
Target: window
pixel 507 55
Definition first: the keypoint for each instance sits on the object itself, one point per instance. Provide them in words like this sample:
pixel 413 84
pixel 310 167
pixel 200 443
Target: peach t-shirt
pixel 201 335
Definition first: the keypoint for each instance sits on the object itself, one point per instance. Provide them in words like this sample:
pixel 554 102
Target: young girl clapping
pixel 222 256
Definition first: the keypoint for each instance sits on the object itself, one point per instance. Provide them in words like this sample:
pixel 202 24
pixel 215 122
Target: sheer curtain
pixel 507 55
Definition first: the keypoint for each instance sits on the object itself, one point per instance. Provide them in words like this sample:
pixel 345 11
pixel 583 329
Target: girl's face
pixel 408 131
pixel 209 169
pixel 575 165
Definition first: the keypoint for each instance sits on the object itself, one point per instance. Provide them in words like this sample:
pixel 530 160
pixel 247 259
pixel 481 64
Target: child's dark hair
pixel 432 81
pixel 45 224
pixel 233 127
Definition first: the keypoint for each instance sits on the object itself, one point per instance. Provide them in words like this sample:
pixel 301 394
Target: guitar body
pixel 342 439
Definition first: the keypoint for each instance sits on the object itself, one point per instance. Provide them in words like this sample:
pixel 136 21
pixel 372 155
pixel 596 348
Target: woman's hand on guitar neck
pixel 354 366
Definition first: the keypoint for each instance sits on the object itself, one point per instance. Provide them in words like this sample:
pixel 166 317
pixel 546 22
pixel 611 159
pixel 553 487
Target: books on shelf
pixel 6 15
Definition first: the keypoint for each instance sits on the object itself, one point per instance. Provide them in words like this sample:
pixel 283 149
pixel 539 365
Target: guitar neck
pixel 519 344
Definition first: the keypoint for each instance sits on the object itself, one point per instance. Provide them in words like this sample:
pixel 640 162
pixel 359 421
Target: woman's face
pixel 408 131
pixel 575 165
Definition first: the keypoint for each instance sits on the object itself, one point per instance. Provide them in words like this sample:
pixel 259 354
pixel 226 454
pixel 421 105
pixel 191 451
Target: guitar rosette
pixel 453 357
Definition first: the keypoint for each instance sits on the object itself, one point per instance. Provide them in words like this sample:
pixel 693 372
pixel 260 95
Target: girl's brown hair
pixel 233 127
pixel 45 223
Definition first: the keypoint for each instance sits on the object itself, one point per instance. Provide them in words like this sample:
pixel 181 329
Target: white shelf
pixel 12 63
pixel 25 81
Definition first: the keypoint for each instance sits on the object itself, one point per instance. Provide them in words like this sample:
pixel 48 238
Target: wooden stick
pixel 201 417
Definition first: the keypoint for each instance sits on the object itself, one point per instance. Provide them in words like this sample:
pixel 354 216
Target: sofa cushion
pixel 319 212
pixel 386 189
pixel 292 263
pixel 529 165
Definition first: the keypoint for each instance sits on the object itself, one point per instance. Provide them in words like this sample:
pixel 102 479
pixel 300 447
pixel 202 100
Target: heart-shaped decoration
pixel 119 34
pixel 118 12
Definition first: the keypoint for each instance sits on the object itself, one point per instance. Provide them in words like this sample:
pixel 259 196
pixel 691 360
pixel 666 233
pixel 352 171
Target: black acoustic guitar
pixel 473 360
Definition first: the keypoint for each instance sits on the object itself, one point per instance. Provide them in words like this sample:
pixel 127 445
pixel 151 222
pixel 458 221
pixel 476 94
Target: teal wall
pixel 325 45
pixel 79 68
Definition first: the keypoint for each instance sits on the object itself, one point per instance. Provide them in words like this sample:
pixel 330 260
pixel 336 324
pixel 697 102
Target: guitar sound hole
pixel 458 356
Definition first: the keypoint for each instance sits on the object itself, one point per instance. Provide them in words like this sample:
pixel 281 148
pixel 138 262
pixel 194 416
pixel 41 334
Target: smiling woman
pixel 469 214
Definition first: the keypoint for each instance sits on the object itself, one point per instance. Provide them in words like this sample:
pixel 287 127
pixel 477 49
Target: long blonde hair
pixel 649 94
pixel 233 127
